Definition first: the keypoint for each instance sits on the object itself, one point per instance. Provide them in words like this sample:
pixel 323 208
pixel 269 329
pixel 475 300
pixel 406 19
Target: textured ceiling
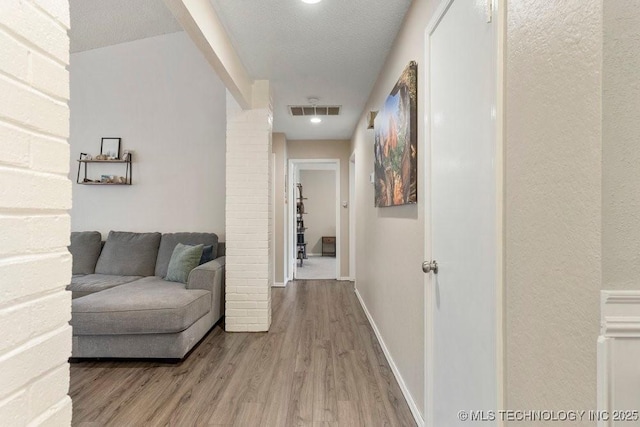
pixel 99 23
pixel 332 50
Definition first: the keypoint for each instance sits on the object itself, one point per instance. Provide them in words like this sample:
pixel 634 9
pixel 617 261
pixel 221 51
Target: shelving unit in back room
pixel 300 228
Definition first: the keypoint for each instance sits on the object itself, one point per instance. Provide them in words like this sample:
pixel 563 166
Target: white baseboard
pixel 279 285
pixel 405 391
pixel 344 279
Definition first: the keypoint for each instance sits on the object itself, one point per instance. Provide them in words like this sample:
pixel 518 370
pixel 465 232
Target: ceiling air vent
pixel 318 110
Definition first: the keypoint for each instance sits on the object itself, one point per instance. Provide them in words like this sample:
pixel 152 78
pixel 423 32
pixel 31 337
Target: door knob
pixel 429 266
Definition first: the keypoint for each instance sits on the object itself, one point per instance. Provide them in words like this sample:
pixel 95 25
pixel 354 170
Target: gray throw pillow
pixel 85 249
pixel 170 240
pixel 129 254
pixel 184 259
pixel 207 254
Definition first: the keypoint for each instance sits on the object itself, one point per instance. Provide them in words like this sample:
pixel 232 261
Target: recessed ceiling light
pixel 311 1
pixel 315 120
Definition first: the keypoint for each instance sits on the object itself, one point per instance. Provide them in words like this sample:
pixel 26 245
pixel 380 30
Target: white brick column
pixel 35 194
pixel 248 213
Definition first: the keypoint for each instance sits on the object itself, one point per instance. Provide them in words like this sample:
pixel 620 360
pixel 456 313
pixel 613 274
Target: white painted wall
pixel 621 145
pixel 35 195
pixel 553 202
pixel 200 21
pixel 162 98
pixel 319 187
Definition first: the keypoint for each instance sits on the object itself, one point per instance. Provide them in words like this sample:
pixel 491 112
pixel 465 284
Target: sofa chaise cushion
pixel 88 284
pixel 147 306
pixel 85 249
pixel 129 254
pixel 170 240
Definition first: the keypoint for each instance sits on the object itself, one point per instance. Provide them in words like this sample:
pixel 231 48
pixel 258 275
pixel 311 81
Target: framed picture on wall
pixel 110 147
pixel 396 143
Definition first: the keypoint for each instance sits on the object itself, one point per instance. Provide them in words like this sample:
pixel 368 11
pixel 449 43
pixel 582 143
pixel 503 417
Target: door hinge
pixel 489 11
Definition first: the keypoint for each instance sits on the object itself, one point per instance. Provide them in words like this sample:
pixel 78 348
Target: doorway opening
pixel 314 219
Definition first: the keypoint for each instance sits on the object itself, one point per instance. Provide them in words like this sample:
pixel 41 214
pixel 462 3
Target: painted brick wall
pixel 248 218
pixel 35 195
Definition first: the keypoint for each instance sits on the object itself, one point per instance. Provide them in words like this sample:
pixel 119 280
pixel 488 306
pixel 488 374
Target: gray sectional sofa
pixel 123 308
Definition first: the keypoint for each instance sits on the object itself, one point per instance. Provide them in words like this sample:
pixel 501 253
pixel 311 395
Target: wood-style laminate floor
pixel 319 365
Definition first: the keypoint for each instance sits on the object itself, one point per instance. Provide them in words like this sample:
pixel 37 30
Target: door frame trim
pixel 499 15
pixel 297 165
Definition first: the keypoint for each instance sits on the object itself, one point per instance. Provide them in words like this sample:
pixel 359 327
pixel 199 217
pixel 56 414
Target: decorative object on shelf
pixel 396 145
pixel 371 118
pixel 113 179
pixel 105 179
pixel 300 228
pixel 126 154
pixel 110 147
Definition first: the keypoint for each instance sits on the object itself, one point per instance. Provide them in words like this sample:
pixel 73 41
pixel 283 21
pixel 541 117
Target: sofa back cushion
pixel 85 249
pixel 170 240
pixel 129 254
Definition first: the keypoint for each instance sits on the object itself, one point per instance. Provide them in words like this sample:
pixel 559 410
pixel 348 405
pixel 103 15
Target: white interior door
pixel 352 217
pixel 462 228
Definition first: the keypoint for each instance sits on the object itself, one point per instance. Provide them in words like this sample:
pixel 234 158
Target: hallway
pixel 320 364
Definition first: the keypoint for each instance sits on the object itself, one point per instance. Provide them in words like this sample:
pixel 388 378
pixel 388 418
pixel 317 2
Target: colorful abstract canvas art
pixel 395 147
